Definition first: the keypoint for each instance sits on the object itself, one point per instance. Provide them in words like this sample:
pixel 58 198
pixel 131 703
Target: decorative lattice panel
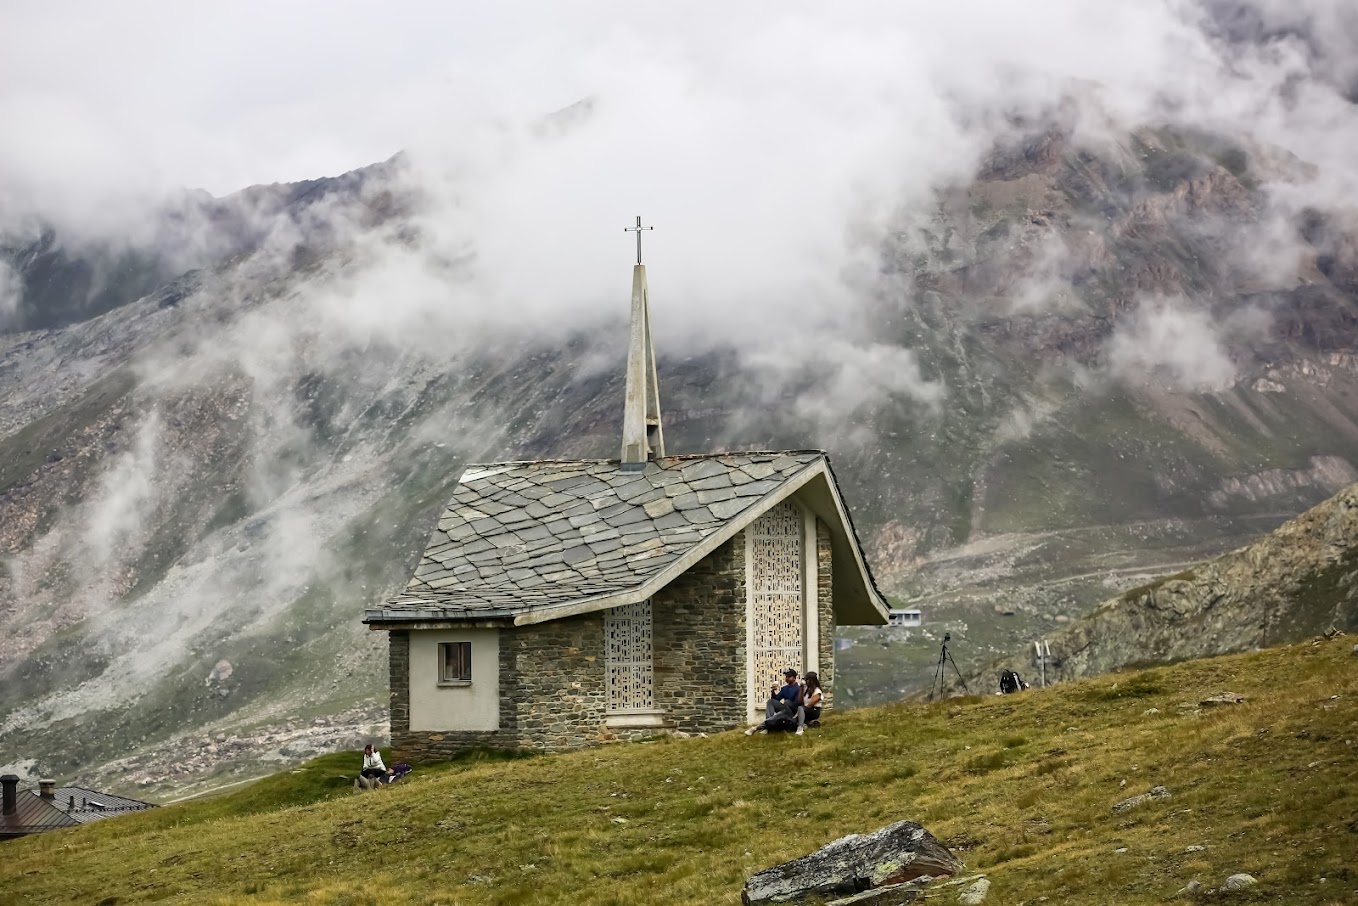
pixel 628 637
pixel 775 596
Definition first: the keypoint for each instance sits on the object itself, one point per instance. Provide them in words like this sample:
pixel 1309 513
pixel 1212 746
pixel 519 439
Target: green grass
pixel 1021 786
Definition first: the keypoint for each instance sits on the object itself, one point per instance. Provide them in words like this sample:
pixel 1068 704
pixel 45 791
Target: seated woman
pixel 373 768
pixel 808 709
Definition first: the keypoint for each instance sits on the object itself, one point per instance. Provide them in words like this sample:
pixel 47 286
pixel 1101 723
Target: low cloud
pixel 124 498
pixel 11 293
pixel 1044 285
pixel 1168 343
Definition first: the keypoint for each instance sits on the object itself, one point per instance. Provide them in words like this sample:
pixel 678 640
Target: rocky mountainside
pixel 1298 581
pixel 225 436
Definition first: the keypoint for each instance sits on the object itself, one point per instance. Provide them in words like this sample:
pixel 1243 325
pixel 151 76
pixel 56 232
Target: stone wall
pixel 398 683
pixel 559 696
pixel 825 605
pixel 700 643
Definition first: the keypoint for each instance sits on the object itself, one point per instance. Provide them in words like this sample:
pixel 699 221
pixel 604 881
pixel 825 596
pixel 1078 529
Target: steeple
pixel 642 436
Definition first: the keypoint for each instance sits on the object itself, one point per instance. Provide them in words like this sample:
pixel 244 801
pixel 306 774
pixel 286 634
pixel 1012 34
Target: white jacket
pixel 373 761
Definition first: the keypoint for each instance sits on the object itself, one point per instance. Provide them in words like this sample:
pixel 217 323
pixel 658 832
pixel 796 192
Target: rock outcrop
pixel 896 854
pixel 1297 581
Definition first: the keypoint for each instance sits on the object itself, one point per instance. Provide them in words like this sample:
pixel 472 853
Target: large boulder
pixel 895 854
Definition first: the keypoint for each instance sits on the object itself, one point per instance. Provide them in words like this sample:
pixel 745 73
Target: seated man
pixel 782 704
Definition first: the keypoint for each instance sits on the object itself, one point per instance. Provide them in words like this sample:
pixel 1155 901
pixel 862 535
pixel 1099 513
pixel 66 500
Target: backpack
pixel 1010 681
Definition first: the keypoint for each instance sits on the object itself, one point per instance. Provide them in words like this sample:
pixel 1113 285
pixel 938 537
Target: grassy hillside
pixel 1022 787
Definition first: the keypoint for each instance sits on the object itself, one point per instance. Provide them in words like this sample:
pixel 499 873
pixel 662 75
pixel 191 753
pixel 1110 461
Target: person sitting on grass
pixel 781 708
pixel 373 768
pixel 808 710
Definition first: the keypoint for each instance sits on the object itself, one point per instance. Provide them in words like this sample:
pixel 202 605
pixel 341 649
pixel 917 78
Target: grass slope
pixel 1020 786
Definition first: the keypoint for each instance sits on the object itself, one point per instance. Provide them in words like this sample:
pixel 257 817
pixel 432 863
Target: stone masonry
pixel 700 643
pixel 825 601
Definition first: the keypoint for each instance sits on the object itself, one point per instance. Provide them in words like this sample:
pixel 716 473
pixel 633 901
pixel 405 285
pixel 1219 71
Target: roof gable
pixel 540 540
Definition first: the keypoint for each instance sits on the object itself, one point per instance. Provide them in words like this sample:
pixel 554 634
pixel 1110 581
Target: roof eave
pixel 379 619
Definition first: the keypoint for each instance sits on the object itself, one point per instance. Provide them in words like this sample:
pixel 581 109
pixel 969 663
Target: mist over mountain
pixel 1067 301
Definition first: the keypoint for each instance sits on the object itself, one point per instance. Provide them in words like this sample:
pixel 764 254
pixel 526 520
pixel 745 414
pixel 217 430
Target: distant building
pixel 50 807
pixel 909 617
pixel 564 603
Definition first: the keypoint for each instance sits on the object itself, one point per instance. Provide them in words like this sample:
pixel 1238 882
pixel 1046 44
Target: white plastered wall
pixel 468 706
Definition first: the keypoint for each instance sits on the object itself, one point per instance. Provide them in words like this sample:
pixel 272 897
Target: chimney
pixel 47 789
pixel 11 793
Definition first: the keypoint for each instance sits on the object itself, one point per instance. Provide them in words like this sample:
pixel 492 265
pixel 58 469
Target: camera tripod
pixel 945 657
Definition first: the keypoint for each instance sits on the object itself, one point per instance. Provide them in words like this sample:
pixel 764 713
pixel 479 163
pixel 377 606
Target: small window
pixel 455 662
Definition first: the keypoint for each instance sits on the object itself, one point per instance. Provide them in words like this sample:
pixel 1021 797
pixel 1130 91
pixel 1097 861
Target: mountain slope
pixel 1021 787
pixel 1298 581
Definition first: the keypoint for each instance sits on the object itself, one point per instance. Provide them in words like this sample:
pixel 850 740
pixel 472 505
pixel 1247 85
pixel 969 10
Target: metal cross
pixel 637 229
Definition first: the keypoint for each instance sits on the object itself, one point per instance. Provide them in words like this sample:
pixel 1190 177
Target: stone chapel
pixel 564 603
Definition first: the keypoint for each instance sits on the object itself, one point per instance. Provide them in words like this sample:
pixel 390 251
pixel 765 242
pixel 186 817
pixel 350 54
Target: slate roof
pixel 522 536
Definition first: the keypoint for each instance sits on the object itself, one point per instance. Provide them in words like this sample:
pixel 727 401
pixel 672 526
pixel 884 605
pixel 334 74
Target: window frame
pixel 464 657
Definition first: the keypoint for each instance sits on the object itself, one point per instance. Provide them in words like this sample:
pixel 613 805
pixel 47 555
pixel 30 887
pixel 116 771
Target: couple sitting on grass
pixel 794 704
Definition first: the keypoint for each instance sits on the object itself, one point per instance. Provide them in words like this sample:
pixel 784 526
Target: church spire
pixel 642 436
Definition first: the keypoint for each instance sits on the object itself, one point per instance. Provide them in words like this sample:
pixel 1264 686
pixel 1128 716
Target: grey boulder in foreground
pixel 897 853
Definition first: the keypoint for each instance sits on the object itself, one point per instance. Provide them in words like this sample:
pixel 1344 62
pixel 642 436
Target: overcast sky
pixel 165 94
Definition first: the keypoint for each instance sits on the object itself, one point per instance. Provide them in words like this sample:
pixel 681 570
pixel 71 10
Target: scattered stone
pixel 1189 889
pixel 1222 698
pixel 1151 711
pixel 974 893
pixel 1355 649
pixel 1158 792
pixel 221 672
pixel 1239 882
pixel 893 855
pixel 1120 849
pixel 1195 848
